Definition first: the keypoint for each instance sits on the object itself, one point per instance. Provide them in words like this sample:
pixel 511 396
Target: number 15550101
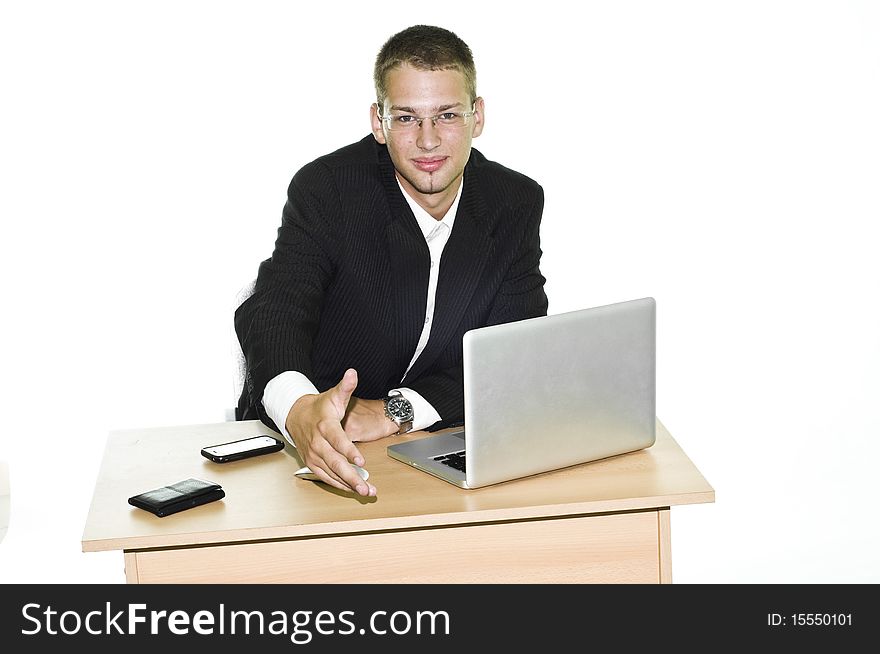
pixel 809 620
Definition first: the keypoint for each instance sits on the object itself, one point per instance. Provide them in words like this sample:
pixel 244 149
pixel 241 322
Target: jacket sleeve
pixel 521 295
pixel 277 323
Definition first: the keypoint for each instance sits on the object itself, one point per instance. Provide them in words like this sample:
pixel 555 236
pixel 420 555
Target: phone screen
pixel 245 445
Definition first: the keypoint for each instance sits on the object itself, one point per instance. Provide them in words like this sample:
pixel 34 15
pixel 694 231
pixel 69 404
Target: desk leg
pixel 665 545
pixel 131 569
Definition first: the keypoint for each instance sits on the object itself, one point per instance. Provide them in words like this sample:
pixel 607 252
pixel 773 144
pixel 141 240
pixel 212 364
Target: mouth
pixel 429 164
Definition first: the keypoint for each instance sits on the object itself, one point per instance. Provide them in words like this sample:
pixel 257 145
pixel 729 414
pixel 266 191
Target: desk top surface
pixel 264 500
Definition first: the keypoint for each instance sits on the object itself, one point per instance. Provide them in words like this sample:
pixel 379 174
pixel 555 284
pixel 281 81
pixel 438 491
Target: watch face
pixel 400 408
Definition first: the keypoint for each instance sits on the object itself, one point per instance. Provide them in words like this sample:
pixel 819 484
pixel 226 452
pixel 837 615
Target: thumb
pixel 341 393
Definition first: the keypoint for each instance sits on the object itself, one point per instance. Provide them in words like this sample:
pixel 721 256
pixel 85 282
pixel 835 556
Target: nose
pixel 429 135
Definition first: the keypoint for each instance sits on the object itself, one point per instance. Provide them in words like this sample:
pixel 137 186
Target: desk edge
pixel 290 532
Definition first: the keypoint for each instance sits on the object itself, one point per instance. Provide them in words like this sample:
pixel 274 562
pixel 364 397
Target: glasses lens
pixel 451 119
pixel 402 122
pixel 448 120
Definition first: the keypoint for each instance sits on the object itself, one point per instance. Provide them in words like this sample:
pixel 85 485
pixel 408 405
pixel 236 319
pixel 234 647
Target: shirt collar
pixel 427 222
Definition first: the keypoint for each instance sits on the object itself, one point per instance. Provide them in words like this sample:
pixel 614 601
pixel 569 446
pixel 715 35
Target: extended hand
pixel 315 424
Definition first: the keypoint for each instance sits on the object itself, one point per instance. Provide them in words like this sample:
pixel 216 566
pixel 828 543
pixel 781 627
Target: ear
pixel 376 124
pixel 479 117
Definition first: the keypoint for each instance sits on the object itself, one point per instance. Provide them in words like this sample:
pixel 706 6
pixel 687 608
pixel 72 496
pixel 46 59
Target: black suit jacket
pixel 346 286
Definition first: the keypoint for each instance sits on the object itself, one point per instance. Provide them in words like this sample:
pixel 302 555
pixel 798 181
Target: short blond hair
pixel 425 47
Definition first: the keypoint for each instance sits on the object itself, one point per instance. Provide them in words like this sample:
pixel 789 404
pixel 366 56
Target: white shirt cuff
pixel 424 415
pixel 281 393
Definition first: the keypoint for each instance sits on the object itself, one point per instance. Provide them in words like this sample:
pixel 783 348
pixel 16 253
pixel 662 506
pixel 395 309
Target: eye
pixel 404 120
pixel 448 117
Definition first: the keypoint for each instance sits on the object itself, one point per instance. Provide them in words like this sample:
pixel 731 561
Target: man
pixel 389 250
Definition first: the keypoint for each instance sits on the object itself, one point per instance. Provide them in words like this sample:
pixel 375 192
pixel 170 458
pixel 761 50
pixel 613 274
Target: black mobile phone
pixel 242 449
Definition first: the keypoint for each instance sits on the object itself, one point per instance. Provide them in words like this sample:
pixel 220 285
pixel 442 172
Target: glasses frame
pixel 420 119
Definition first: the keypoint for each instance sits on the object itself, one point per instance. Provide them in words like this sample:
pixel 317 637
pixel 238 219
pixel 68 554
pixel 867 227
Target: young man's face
pixel 429 159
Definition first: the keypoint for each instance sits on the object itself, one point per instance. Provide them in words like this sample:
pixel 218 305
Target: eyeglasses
pixel 445 120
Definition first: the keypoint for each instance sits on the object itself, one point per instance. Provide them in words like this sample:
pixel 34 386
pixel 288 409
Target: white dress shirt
pixel 282 391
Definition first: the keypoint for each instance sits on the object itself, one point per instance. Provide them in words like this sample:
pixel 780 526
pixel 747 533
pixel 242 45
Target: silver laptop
pixel 547 393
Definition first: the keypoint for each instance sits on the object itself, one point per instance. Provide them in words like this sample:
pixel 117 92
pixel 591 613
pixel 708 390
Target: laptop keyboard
pixel 453 460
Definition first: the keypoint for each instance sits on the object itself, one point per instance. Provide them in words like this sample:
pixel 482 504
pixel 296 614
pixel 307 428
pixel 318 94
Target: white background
pixel 722 157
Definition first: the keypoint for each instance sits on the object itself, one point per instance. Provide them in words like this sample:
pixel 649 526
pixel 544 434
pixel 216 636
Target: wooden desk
pixel 606 521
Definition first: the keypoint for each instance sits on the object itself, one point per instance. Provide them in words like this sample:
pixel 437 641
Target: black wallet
pixel 174 498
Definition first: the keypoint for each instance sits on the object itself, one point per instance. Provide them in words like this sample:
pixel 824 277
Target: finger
pixel 350 451
pixel 334 463
pixel 356 483
pixel 349 475
pixel 319 465
pixel 341 393
pixel 319 458
pixel 336 437
pixel 329 479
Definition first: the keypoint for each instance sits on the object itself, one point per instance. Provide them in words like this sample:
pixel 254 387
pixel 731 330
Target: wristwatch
pixel 399 409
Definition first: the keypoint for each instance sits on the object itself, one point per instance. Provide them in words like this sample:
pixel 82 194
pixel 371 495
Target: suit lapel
pixel 461 267
pixel 409 261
